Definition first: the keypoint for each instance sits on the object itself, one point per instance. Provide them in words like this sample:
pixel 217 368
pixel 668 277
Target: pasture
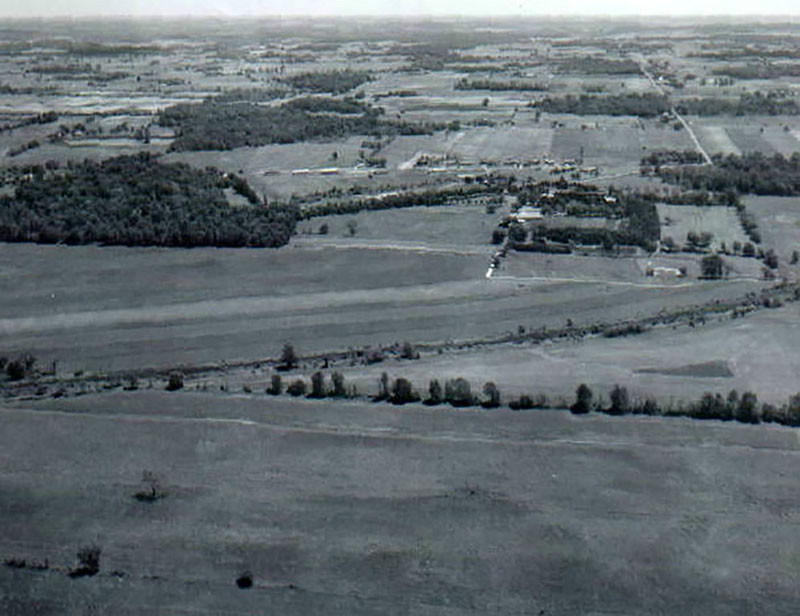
pixel 677 221
pixel 779 223
pixel 423 511
pixel 670 365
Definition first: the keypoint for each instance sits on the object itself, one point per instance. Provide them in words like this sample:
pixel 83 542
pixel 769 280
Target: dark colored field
pixel 350 509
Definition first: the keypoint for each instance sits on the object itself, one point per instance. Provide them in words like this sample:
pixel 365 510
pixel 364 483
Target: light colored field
pixel 715 140
pixel 678 220
pixel 779 224
pixel 758 350
pixel 751 139
pixel 117 308
pixel 453 226
pixel 347 509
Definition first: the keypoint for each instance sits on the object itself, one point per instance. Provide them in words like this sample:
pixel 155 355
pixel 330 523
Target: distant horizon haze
pixel 386 8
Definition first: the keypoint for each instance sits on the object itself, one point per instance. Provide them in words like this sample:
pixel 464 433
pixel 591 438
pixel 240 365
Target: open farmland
pixel 677 221
pixel 460 216
pixel 523 503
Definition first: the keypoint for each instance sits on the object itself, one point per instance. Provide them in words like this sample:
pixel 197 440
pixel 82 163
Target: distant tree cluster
pixel 139 201
pixel 754 103
pixel 749 173
pixel 212 125
pixel 593 65
pixel 645 105
pixel 672 157
pixel 759 71
pixel 401 200
pixel 335 82
pixel 496 85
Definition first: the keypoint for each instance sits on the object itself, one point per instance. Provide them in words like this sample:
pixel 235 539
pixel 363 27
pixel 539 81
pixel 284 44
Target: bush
pixel 288 359
pixel 492 396
pixel 317 385
pixel 337 385
pixel 88 562
pixel 458 392
pixel 275 386
pixel 620 402
pixel 402 392
pixel 583 400
pixel 435 395
pixel 297 388
pixel 175 381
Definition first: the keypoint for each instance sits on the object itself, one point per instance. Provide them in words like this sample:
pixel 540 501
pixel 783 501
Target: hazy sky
pixel 33 8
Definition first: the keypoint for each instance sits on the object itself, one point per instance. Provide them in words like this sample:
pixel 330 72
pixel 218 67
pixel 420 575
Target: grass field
pixel 779 223
pixel 116 308
pixel 669 365
pixel 677 221
pixel 350 509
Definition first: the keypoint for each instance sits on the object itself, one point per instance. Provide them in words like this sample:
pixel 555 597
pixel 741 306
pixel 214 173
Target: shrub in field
pixel 317 385
pixel 583 400
pixel 175 381
pixel 435 395
pixel 288 357
pixel 458 393
pixel 151 490
pixel 297 388
pixel 402 392
pixel 491 396
pixel 88 561
pixel 620 401
pixel 338 389
pixel 275 386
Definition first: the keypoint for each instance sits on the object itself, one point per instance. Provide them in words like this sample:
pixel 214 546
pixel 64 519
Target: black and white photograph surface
pixel 427 308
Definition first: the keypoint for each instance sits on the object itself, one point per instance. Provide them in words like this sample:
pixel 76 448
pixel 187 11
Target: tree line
pixel 139 201
pixel 213 125
pixel 752 172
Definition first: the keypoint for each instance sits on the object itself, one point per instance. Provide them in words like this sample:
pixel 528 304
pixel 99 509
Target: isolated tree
pixel 317 385
pixel 337 385
pixel 275 386
pixel 288 357
pixel 795 257
pixel 583 400
pixel 620 401
pixel 352 227
pixel 434 392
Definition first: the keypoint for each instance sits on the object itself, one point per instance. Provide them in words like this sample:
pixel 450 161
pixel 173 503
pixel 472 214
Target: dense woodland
pixel 496 85
pixel 750 173
pixel 646 105
pixel 335 82
pixel 139 201
pixel 748 104
pixel 212 125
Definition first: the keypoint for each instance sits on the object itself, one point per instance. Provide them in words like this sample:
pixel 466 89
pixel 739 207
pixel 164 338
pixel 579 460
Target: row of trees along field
pixel 753 172
pixel 648 105
pixel 215 125
pixel 137 201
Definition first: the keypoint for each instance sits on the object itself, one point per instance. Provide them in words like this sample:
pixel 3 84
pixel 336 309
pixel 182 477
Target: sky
pixel 221 8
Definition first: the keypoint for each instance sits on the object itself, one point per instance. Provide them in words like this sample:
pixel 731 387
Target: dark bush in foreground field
pixel 583 400
pixel 245 580
pixel 139 201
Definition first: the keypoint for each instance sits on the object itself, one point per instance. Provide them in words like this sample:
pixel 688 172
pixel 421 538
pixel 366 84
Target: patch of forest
pixel 756 103
pixel 334 82
pixel 212 125
pixel 645 105
pixel 750 173
pixel 496 85
pixel 139 201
